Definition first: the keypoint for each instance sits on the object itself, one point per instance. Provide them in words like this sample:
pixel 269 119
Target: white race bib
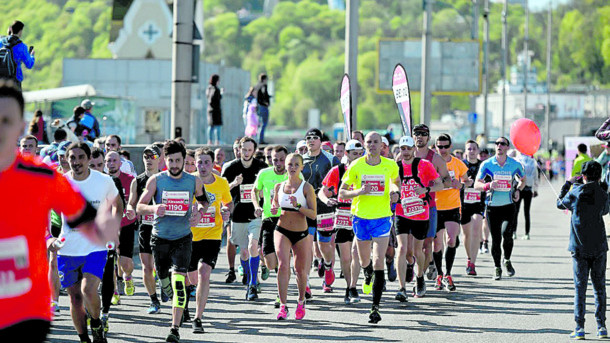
pixel 325 221
pixel 208 219
pixel 413 206
pixel 14 267
pixel 148 219
pixel 343 219
pixel 472 196
pixel 245 193
pixel 177 203
pixel 504 182
pixel 377 183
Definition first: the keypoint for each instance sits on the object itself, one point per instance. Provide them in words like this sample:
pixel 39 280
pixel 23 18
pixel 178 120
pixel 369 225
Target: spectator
pixel 580 159
pixel 89 121
pixel 13 46
pixel 604 160
pixel 262 99
pixel 77 116
pixel 49 153
pixel 588 203
pixel 214 95
pixel 125 154
pixel 38 128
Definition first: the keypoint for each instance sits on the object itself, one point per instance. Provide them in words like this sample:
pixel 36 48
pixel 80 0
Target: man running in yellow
pixel 375 182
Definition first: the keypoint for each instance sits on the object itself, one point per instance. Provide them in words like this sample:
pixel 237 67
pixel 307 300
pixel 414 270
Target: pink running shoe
pixel 308 294
pixel 300 312
pixel 326 288
pixel 283 314
pixel 329 277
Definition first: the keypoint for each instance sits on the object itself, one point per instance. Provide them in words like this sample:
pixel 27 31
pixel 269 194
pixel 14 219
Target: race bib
pixel 208 219
pixel 148 219
pixel 413 206
pixel 245 193
pixel 504 182
pixel 325 221
pixel 343 219
pixel 14 267
pixel 472 196
pixel 177 203
pixel 377 183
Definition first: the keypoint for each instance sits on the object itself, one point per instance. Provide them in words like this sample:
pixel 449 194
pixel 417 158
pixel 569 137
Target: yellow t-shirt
pixel 376 204
pixel 210 226
pixel 449 199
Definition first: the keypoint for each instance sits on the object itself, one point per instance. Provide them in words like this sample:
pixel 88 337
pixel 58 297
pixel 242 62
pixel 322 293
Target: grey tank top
pixel 177 195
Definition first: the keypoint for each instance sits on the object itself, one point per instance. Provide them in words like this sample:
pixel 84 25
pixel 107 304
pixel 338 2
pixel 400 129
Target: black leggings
pixel 525 195
pixel 108 281
pixel 499 219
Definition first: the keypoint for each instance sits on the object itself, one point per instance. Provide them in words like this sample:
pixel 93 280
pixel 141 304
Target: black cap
pixel 421 127
pixel 154 149
pixel 314 132
pixel 592 170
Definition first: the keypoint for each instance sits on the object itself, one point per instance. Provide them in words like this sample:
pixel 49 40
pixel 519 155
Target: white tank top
pixel 284 198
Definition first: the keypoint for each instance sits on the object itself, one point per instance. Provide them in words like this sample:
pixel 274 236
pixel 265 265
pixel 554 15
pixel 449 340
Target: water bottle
pixel 59 243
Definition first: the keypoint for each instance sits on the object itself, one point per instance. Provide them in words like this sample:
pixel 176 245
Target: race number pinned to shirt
pixel 504 182
pixel 208 219
pixel 413 206
pixel 177 203
pixel 245 193
pixel 148 219
pixel 377 183
pixel 472 196
pixel 325 221
pixel 14 267
pixel 343 219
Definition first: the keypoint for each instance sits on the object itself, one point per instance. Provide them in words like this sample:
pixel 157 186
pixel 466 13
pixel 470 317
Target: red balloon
pixel 525 135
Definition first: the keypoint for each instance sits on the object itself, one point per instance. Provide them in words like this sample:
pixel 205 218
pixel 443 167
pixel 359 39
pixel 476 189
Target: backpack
pixel 8 67
pixel 414 174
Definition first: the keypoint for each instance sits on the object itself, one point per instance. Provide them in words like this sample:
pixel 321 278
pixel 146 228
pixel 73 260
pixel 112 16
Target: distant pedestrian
pixel 588 203
pixel 13 52
pixel 580 159
pixel 263 99
pixel 89 121
pixel 214 95
pixel 38 128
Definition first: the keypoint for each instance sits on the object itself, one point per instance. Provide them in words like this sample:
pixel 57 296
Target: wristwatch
pixel 298 207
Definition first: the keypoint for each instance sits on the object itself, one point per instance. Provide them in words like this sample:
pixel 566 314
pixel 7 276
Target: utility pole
pixel 475 36
pixel 526 56
pixel 486 69
pixel 426 101
pixel 182 63
pixel 547 112
pixel 504 62
pixel 351 53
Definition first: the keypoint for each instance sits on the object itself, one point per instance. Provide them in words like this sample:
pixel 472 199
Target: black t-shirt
pixel 244 211
pixel 315 169
pixel 473 170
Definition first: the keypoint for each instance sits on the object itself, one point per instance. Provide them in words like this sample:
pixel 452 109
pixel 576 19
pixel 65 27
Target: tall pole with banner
pixel 351 53
pixel 426 101
pixel 345 96
pixel 182 62
pixel 486 69
pixel 547 112
pixel 402 95
pixel 504 62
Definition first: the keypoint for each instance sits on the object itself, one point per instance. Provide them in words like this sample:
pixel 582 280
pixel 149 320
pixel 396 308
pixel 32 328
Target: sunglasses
pixel 421 133
pixel 502 143
pixel 150 157
pixel 311 138
pixel 444 146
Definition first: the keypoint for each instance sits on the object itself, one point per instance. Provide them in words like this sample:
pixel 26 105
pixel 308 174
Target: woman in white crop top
pixel 296 199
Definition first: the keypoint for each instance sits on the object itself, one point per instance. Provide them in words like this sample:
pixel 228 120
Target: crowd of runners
pixel 394 213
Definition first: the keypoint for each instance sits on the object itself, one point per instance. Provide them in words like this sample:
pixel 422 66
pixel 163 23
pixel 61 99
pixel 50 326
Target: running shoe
pixel 481 247
pixel 392 275
pixel 346 299
pixel 173 336
pixel 197 326
pixel 130 289
pixel 471 270
pixel 514 235
pixel 308 294
pixel 264 273
pixel 409 277
pixel 116 299
pixel 602 332
pixel 258 287
pixel 316 262
pixel 104 319
pixel 252 294
pixel 329 276
pixel 485 247
pixel 240 271
pixel 154 308
pixel 578 334
pixel 367 286
pixel 193 293
pixel 98 334
pixel 438 285
pixel 276 304
pixel 283 314
pixel 401 296
pixel 230 276
pixel 498 274
pixel 120 285
pixel 419 290
pixel 321 268
pixel 448 283
pixel 300 312
pixel 526 237
pixel 326 288
pixel 353 296
pixel 55 309
pixel 374 316
pixel 431 273
pixel 510 271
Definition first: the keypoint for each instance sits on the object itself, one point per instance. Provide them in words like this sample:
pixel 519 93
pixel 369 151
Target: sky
pixel 536 5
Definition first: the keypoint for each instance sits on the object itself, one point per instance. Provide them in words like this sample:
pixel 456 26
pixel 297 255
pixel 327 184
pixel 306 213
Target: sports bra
pixel 284 198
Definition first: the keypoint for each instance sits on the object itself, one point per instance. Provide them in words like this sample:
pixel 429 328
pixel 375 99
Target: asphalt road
pixel 536 305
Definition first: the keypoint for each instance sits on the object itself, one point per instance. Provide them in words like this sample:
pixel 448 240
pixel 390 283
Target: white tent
pixel 61 93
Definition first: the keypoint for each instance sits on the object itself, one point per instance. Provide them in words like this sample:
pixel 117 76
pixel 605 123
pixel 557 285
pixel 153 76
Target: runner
pixel 530 168
pixel 97 160
pixel 171 241
pixel 245 227
pixel 81 264
pixel 421 134
pixel 296 199
pixel 30 313
pixel 484 246
pixel 28 146
pixel 189 162
pixel 301 148
pixel 473 208
pixel 219 159
pixel 373 179
pixel 413 214
pixel 265 183
pixel 500 202
pixel 316 164
pixel 448 205
pixel 151 157
pixel 113 143
pixel 231 248
pixel 207 234
pixel 343 219
pixel 339 149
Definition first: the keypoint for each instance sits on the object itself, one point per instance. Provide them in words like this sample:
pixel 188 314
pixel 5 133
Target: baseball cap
pixel 314 132
pixel 353 144
pixel 406 141
pixel 328 144
pixel 63 147
pixel 87 104
pixel 301 144
pixel 385 141
pixel 421 127
pixel 592 169
pixel 154 149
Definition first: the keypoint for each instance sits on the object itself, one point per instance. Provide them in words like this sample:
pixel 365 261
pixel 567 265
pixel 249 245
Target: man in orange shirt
pixel 25 286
